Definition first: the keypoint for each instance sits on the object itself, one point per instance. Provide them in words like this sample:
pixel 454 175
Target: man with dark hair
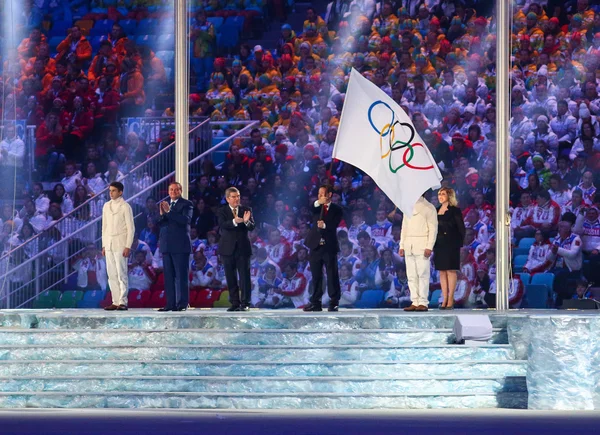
pixel 235 249
pixel 117 238
pixel 175 246
pixel 323 244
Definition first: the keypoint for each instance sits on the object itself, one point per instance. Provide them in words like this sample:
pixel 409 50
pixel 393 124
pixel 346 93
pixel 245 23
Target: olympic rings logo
pixel 387 135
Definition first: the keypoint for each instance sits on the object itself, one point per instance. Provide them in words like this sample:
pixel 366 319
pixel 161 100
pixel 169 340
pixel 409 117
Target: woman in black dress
pixel 450 237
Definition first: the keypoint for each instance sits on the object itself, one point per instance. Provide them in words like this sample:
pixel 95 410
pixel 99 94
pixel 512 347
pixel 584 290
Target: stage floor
pixel 371 422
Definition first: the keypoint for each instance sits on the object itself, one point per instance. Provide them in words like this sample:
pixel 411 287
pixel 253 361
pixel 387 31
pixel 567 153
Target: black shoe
pixel 332 308
pixel 180 309
pixel 312 307
pixel 244 308
pixel 234 308
pixel 122 308
pixel 166 309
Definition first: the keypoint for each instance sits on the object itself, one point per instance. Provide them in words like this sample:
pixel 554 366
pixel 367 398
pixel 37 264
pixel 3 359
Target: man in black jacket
pixel 323 244
pixel 175 245
pixel 235 249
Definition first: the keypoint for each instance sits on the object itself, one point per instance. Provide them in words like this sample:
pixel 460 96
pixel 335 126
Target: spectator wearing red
pixel 101 60
pixel 29 47
pixel 105 104
pixel 78 130
pixel 43 55
pixel 118 40
pixel 544 216
pixel 132 89
pixel 75 48
pixel 48 147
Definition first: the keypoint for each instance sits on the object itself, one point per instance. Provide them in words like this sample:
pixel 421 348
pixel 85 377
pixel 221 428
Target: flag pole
pixel 502 222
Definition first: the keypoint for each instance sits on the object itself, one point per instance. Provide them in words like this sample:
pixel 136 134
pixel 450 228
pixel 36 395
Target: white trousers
pixel 417 271
pixel 116 267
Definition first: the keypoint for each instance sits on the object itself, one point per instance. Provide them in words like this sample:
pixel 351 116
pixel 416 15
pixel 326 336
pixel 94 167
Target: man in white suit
pixel 416 245
pixel 117 238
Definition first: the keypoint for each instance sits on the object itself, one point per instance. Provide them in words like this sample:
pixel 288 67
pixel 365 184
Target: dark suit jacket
pixel 174 226
pixel 332 221
pixel 234 238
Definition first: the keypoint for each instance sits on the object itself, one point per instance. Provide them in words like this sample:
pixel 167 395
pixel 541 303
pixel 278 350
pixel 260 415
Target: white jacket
pixel 420 231
pixel 117 225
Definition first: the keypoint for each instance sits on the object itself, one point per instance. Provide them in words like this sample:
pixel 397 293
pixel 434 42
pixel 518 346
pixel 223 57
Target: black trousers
pixel 177 270
pixel 237 274
pixel 320 257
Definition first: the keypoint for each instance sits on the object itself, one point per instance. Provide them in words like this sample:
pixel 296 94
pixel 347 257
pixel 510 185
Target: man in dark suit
pixel 235 249
pixel 175 246
pixel 323 244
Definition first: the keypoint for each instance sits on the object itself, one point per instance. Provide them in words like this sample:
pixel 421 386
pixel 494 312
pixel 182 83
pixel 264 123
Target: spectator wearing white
pixel 140 274
pixel 591 94
pixel 542 132
pixel 326 147
pixel 140 245
pixel 587 133
pixel 576 204
pixel 426 106
pixel 12 148
pixel 521 213
pixel 587 226
pixel 113 174
pixel 419 233
pixel 541 149
pixel 545 214
pixel 564 125
pixel 61 197
pixel 538 252
pixel 348 286
pixel 469 119
pixel 588 190
pixel 586 116
pixel 519 99
pixel 381 230
pixel 42 203
pixel 559 193
pixel 91 270
pixel 566 260
pixel 35 218
pixel 117 239
pixel 541 100
pixel 449 101
pixel 519 125
pixel 72 178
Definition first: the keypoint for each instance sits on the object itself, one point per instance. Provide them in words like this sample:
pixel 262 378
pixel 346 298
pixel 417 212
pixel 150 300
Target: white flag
pixel 378 137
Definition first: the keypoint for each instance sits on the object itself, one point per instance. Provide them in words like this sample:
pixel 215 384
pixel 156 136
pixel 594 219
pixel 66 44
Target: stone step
pixel 198 384
pixel 256 352
pixel 464 368
pixel 254 319
pixel 307 337
pixel 260 400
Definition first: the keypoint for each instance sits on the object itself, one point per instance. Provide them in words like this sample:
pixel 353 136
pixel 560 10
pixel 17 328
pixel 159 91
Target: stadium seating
pixel 138 298
pixel 519 262
pixel 536 296
pixel 204 298
pixel 92 299
pixel 47 299
pixel 434 298
pixel 223 300
pixel 370 299
pixel 525 278
pixel 69 299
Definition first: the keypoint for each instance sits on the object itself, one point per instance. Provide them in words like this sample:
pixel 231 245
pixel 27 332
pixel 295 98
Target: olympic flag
pixel 378 137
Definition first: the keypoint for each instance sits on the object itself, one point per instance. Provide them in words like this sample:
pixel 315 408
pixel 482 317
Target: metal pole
pixel 182 84
pixel 503 154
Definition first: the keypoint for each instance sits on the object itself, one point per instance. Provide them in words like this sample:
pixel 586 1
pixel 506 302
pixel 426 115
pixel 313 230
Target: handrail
pixel 102 192
pixel 131 199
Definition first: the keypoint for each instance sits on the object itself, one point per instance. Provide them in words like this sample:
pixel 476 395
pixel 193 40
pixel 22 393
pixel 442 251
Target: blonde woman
pixel 450 236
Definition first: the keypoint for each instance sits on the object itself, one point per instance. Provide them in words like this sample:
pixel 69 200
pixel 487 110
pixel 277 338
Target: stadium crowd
pixel 436 59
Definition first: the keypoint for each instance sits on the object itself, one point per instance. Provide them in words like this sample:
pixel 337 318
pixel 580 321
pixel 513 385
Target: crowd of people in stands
pixel 436 59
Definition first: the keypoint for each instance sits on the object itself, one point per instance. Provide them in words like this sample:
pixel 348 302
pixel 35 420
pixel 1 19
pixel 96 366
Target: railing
pixel 133 181
pixel 47 263
pixel 148 128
